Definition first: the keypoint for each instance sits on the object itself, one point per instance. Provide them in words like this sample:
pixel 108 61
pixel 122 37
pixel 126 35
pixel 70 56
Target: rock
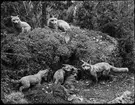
pixel 124 98
pixel 75 99
pixel 70 98
pixel 43 89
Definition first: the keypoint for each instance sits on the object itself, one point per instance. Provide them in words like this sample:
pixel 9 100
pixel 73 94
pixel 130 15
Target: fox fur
pixel 102 67
pixel 31 79
pixel 20 26
pixel 54 23
pixel 61 74
pixel 68 67
pixel 70 80
pixel 58 77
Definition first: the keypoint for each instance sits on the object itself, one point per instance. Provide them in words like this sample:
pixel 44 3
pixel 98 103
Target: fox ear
pixel 82 61
pixel 47 70
pixel 89 61
pixel 64 64
pixel 12 16
pixel 51 16
pixel 56 16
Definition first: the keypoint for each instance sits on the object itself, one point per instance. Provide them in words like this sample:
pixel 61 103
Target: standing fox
pixel 102 67
pixel 27 81
pixel 20 26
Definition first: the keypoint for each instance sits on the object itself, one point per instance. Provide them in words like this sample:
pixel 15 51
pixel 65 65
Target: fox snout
pixel 85 67
pixel 54 22
pixel 75 75
pixel 15 21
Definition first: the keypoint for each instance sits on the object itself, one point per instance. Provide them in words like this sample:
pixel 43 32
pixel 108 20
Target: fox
pixel 70 80
pixel 70 77
pixel 20 26
pixel 61 74
pixel 68 67
pixel 54 23
pixel 26 81
pixel 58 77
pixel 103 67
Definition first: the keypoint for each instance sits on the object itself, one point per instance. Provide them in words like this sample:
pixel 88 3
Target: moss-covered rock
pixel 43 47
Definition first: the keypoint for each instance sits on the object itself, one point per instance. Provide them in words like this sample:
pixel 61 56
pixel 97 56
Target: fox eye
pixel 83 66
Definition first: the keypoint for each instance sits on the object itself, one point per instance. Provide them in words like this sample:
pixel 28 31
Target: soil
pixel 101 92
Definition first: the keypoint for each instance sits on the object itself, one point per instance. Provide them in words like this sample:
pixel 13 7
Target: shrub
pixel 15 98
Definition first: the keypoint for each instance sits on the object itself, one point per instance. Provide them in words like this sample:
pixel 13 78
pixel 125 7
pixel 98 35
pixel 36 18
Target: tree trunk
pixel 44 14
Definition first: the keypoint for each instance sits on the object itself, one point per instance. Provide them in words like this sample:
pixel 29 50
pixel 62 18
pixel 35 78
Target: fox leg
pixel 39 83
pixel 107 75
pixel 56 81
pixel 56 27
pixel 22 30
pixel 24 87
pixel 21 88
pixel 66 90
pixel 106 72
pixel 95 76
pixel 60 81
pixel 67 38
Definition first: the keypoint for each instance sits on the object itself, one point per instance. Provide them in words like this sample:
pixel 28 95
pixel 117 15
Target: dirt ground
pixel 102 92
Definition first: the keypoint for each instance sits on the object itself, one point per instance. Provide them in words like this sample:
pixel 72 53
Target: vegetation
pixel 16 98
pixel 100 31
pixel 115 18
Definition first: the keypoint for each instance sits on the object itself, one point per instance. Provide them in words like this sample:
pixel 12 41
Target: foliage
pixel 116 18
pixel 15 98
pixel 105 33
pixel 31 11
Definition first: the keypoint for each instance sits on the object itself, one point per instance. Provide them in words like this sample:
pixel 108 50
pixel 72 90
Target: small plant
pixel 15 98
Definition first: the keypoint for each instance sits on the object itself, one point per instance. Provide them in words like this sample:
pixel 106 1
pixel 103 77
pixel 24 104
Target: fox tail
pixel 116 69
pixel 15 81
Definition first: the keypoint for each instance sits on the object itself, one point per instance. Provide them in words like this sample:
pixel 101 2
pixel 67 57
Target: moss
pixel 43 94
pixel 43 47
